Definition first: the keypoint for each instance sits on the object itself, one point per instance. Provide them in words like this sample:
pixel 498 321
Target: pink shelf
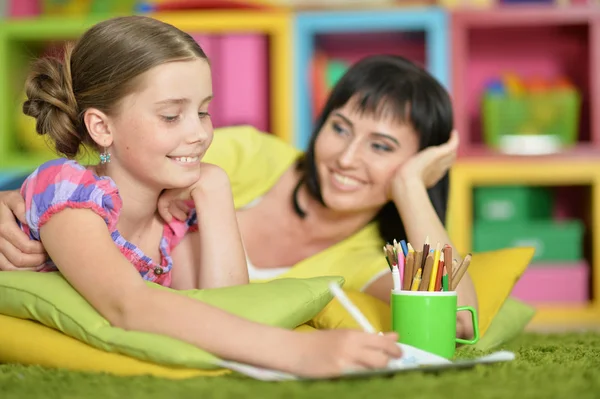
pixel 544 42
pixel 241 93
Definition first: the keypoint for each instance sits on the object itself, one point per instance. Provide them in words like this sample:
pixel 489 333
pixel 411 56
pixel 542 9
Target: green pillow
pixel 510 321
pixel 51 300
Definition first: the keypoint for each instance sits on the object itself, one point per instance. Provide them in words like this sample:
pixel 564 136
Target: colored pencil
pixel 448 262
pixel 434 270
pixel 426 272
pixel 462 269
pixel 408 270
pixel 440 273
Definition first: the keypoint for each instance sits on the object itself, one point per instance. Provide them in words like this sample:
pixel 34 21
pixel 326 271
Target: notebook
pixel 413 359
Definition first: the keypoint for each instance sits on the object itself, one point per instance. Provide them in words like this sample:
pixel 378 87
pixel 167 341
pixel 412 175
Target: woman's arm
pixel 420 220
pixel 17 251
pixel 79 243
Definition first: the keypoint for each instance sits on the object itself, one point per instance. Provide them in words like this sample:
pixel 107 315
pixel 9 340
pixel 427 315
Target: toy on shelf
pixel 325 74
pixel 85 7
pixel 530 116
pixel 175 5
pixel 467 3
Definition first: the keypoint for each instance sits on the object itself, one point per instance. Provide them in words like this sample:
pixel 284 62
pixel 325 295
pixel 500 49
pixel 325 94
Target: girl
pixel 138 91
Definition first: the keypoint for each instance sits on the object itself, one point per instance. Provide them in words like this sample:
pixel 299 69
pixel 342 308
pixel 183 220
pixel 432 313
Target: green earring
pixel 105 156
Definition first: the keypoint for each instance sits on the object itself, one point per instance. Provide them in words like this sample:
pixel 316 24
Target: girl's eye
pixel 170 119
pixel 203 115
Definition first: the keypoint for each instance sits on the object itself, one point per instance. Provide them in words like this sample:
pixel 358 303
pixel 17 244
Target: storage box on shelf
pixel 339 38
pixel 561 243
pixel 550 219
pixel 260 41
pixel 554 52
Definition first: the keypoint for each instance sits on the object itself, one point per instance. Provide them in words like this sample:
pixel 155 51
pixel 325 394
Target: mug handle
pixel 475 326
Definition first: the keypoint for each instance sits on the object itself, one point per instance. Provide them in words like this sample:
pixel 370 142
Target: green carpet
pixel 547 366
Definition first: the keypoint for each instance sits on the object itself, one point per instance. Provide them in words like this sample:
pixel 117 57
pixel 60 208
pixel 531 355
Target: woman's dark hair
pixel 379 84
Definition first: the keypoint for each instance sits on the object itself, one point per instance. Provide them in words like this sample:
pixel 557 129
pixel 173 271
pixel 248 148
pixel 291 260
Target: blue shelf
pixel 432 20
pixel 12 180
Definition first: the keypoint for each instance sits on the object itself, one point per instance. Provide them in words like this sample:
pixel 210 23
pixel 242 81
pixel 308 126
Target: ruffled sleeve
pixel 63 183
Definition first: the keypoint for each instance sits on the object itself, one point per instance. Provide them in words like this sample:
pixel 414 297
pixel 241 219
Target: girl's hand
pixel 330 353
pixel 427 166
pixel 177 203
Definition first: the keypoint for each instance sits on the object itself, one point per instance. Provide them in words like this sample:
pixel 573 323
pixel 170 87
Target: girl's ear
pixel 98 128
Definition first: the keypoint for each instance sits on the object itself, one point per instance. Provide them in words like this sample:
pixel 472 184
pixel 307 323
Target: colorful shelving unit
pixel 546 42
pixel 277 52
pixel 259 42
pixel 417 33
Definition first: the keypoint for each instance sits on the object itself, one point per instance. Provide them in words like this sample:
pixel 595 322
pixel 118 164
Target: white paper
pixel 412 359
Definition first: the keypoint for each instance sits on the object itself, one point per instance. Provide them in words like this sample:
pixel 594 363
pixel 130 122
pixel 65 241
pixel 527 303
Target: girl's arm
pixel 213 256
pixel 79 243
pixel 222 260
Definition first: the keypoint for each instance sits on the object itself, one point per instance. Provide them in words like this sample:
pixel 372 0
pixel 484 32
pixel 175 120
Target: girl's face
pixel 357 156
pixel 163 130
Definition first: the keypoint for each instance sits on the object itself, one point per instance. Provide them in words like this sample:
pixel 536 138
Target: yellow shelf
pixel 548 171
pixel 557 316
pixel 277 25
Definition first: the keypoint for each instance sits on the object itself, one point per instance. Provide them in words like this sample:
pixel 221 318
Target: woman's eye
pixel 338 129
pixel 203 115
pixel 382 147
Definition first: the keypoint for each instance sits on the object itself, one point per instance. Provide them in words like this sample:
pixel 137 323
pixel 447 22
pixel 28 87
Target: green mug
pixel 427 320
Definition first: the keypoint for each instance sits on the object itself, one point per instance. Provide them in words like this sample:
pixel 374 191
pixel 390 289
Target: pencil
pixel 448 262
pixel 462 269
pixel 425 252
pixel 404 247
pixel 416 281
pixel 386 257
pixel 417 264
pixel 408 270
pixel 445 279
pixel 440 273
pixel 351 308
pixel 390 255
pixel 434 270
pixel 426 272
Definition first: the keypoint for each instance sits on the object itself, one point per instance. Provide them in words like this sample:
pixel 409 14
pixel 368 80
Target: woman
pixel 376 169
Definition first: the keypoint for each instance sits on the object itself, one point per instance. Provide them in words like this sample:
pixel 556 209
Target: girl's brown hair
pixel 101 68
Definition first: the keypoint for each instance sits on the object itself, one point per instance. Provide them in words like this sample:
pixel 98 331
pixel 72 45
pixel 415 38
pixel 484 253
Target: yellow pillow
pixel 29 342
pixel 494 275
pixel 334 315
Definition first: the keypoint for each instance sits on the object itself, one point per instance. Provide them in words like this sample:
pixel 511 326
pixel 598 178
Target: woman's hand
pixel 177 203
pixel 427 166
pixel 17 251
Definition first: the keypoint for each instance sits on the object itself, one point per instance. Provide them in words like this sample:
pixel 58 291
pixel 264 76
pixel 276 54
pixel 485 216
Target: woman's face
pixel 357 156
